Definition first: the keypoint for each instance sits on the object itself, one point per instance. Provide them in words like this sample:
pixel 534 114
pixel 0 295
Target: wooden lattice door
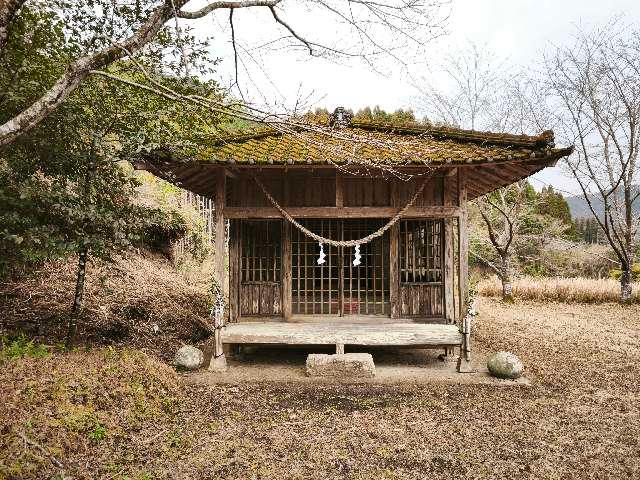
pixel 337 287
pixel 421 268
pixel 366 286
pixel 260 267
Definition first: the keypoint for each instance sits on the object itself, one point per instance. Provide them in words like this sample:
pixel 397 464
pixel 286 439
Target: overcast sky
pixel 515 29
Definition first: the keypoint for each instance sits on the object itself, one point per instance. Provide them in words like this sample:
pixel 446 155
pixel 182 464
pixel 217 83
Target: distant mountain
pixel 580 209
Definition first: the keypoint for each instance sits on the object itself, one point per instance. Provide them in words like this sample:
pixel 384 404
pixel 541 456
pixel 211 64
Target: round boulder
pixel 505 365
pixel 189 358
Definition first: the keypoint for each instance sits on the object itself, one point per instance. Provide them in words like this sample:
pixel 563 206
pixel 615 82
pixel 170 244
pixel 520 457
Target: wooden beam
pixel 404 334
pixel 437 211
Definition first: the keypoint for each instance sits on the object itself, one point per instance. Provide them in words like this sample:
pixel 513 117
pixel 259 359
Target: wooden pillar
pixel 234 271
pixel 394 252
pixel 463 239
pixel 449 198
pixel 287 296
pixel 341 271
pixel 450 189
pixel 340 203
pixel 218 361
pixel 464 361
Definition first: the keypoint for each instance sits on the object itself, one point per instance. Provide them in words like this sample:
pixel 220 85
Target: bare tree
pixel 470 96
pixel 596 82
pixel 485 93
pixel 503 212
pixel 374 29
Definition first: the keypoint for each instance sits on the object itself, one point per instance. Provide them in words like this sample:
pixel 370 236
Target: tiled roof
pixel 359 142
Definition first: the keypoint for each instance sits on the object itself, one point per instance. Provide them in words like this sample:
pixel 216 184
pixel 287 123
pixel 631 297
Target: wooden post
pixel 463 239
pixel 287 296
pixel 340 203
pixel 394 252
pixel 449 198
pixel 341 271
pixel 219 361
pixel 234 271
pixel 449 254
pixel 464 360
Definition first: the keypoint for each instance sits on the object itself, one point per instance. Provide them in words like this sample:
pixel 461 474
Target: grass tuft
pixel 20 347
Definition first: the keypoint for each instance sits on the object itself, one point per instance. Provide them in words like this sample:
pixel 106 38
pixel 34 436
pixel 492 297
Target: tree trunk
pixel 625 285
pixel 505 278
pixel 76 310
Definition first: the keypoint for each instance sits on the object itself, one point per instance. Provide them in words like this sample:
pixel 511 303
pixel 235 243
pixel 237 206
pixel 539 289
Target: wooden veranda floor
pixel 386 334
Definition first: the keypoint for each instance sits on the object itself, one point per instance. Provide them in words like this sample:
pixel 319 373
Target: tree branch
pixel 207 9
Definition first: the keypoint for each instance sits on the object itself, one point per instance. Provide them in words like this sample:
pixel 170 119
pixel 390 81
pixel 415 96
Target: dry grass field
pixel 116 414
pixel 568 290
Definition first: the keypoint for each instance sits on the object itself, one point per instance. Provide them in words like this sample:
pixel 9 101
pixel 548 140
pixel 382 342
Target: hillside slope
pixel 124 302
pixel 580 209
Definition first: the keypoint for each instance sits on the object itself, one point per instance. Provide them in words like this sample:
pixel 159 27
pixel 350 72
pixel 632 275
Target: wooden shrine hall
pixel 404 189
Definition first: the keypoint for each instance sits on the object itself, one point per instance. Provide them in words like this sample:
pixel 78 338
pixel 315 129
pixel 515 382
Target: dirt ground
pixel 397 366
pixel 578 418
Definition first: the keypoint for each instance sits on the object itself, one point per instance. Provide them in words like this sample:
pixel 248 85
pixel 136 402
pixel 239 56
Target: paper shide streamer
pixel 356 255
pixel 321 256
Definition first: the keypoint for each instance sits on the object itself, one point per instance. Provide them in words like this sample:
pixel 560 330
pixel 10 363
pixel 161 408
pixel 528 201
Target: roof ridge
pixel 245 135
pixel 544 139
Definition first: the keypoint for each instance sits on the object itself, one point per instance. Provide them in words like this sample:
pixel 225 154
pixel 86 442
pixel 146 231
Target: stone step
pixel 353 365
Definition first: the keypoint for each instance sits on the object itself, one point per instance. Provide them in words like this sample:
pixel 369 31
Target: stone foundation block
pixel 358 365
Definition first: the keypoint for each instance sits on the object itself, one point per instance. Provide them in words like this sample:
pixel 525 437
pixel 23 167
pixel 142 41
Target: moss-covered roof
pixel 371 143
pixel 492 159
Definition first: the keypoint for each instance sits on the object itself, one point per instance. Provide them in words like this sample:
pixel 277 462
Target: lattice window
pixel 421 251
pixel 261 258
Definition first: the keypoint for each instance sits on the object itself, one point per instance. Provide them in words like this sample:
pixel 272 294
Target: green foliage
pixel 164 227
pixel 66 185
pixel 98 433
pixel 20 347
pixel 542 217
pixel 367 114
pixel 588 230
pixel 553 204
pixel 635 273
pixel 46 217
pixel 378 115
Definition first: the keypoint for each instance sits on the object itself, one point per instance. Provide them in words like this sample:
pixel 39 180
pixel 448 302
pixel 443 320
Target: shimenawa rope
pixel 342 243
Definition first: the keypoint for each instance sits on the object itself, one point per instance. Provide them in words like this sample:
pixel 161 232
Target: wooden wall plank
pixel 339 190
